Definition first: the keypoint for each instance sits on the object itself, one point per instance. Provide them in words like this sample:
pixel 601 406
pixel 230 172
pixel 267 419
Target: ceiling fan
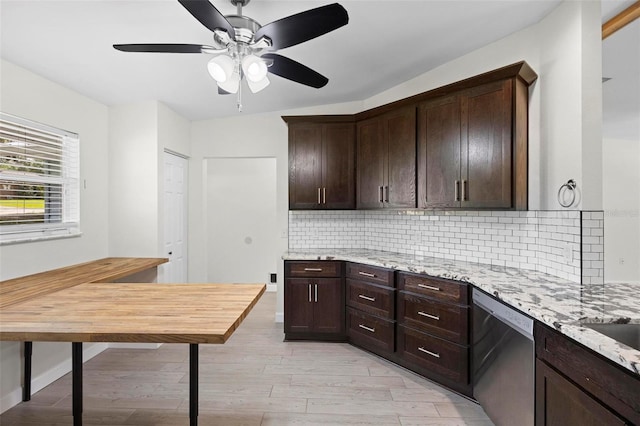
pixel 244 48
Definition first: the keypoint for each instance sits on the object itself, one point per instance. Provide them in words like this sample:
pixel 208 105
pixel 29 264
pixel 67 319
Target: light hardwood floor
pixel 253 379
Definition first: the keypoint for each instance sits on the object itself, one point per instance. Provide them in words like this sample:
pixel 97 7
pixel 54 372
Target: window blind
pixel 39 180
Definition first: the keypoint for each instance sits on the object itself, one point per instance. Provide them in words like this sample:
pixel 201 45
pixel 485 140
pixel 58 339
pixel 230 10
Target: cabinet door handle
pixel 309 293
pixel 319 196
pixel 464 196
pixel 316 293
pixel 324 195
pixel 381 195
pixel 313 269
pixel 370 299
pixel 457 198
pixel 429 287
pixel 433 354
pixel 424 314
pixel 366 274
pixel 373 330
pixel 386 198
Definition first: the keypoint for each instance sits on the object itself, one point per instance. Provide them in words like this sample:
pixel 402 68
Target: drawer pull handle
pixel 433 354
pixel 313 269
pixel 424 314
pixel 373 330
pixel 370 299
pixel 366 274
pixel 429 287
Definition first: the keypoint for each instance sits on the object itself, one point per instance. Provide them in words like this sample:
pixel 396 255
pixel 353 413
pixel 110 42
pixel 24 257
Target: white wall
pixel 139 134
pixel 622 210
pixel 30 96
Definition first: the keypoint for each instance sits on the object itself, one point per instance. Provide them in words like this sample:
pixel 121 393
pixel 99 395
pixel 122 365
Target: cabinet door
pixel 305 168
pixel 298 305
pixel 486 146
pixel 328 311
pixel 439 153
pixel 400 173
pixel 338 166
pixel 371 160
pixel 560 402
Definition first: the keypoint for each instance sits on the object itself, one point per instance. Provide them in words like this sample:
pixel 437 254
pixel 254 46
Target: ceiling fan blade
pixel 295 71
pixel 298 28
pixel 162 48
pixel 221 91
pixel 208 15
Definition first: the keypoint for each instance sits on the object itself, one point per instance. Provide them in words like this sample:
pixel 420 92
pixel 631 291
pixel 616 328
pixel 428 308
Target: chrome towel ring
pixel 571 187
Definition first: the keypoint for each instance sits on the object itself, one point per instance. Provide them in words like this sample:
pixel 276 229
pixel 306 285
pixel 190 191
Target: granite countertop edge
pixel 547 299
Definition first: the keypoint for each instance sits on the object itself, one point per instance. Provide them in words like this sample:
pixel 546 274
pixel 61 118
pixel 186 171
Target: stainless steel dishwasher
pixel 503 361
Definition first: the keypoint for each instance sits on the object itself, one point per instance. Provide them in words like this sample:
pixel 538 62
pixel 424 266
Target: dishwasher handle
pixel 508 315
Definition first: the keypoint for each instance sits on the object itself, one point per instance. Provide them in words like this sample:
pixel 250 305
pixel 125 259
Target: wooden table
pixel 132 312
pixel 21 289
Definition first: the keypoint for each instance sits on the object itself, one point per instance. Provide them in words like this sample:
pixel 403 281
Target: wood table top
pixel 132 312
pixel 21 289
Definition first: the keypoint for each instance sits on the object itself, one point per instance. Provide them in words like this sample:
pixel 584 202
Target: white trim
pixel 177 154
pixel 279 317
pixel 271 288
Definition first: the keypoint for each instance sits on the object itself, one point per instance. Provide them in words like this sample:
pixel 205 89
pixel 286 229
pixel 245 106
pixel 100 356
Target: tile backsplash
pixel 567 244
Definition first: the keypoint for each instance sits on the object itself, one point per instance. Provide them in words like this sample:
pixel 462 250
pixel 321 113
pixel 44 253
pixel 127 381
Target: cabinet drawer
pixel 371 274
pixel 607 382
pixel 434 354
pixel 444 320
pixel 370 331
pixel 313 269
pixel 371 298
pixel 435 288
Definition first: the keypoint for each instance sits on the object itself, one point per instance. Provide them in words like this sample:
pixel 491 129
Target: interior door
pixel 175 218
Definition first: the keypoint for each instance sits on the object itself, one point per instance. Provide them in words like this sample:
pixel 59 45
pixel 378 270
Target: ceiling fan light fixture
pixel 231 84
pixel 221 68
pixel 254 68
pixel 256 86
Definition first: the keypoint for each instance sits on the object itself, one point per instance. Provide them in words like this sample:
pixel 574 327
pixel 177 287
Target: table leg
pixel 76 371
pixel 26 387
pixel 193 384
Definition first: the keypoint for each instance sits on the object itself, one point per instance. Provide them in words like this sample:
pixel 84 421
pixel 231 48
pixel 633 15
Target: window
pixel 39 181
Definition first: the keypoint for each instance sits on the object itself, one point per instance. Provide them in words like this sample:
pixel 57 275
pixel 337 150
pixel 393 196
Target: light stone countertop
pixel 559 303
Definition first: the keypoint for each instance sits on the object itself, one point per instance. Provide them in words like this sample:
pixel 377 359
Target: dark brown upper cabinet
pixel 472 148
pixel 461 146
pixel 386 171
pixel 321 165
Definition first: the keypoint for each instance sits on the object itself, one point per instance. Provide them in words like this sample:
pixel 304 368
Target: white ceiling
pixel 384 44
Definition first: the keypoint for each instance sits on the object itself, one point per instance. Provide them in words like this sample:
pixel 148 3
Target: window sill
pixel 39 238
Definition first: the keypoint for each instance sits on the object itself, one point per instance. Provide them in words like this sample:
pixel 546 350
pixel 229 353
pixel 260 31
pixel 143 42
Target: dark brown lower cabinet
pixel 576 386
pixel 314 300
pixel 560 402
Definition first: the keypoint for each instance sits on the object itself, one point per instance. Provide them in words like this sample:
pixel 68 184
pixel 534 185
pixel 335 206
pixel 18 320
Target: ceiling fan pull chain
pixel 240 97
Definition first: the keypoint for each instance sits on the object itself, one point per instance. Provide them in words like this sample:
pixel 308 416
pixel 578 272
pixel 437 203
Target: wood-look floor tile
pixel 287 391
pixel 181 418
pixel 317 369
pixel 363 382
pixel 292 419
pixel 435 421
pixel 341 406
pixel 253 404
pixel 468 410
pixel 426 394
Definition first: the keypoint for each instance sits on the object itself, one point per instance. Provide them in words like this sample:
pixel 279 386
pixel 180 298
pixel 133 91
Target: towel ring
pixel 571 187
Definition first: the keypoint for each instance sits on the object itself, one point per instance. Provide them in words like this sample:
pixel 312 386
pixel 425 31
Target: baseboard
pixel 272 287
pixel 279 317
pixel 43 380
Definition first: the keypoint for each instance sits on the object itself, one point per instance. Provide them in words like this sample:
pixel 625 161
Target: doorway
pixel 241 220
pixel 175 218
